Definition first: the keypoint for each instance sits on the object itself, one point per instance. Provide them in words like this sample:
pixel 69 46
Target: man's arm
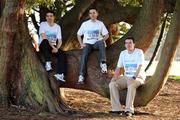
pixel 81 41
pixel 106 37
pixel 138 71
pixel 119 68
pixel 43 35
pixel 105 32
pixel 118 71
pixel 59 43
pixel 141 62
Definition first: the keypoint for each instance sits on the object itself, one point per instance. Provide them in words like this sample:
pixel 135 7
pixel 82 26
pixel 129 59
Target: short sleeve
pixel 81 30
pixel 104 29
pixel 141 57
pixel 59 34
pixel 120 61
pixel 42 28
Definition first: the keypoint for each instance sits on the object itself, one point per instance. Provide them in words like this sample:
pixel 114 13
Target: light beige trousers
pixel 122 83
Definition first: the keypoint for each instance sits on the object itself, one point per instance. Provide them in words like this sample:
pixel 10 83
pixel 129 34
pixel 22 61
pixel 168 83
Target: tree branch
pixel 127 14
pixel 33 18
pixel 72 18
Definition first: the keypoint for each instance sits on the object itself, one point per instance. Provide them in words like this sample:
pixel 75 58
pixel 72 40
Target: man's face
pixel 50 17
pixel 93 14
pixel 129 44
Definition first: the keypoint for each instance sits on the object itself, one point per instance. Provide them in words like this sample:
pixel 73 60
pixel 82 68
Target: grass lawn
pixel 174 77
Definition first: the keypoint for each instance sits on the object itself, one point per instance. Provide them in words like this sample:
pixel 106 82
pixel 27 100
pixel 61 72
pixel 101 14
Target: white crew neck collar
pixel 132 52
pixel 93 21
pixel 50 25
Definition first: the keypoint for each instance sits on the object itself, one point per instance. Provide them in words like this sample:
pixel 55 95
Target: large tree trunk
pixel 23 80
pixel 158 80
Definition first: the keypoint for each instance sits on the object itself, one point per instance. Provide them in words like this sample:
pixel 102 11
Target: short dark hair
pixel 50 11
pixel 131 38
pixel 93 8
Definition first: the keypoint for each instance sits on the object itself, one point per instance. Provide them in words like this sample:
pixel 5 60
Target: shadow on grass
pixel 105 115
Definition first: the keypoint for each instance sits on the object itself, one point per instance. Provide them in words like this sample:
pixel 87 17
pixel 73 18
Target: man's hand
pixel 130 81
pixel 54 50
pixel 82 45
pixel 52 43
pixel 113 79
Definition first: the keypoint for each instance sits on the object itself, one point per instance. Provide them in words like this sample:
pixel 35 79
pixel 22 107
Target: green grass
pixel 174 77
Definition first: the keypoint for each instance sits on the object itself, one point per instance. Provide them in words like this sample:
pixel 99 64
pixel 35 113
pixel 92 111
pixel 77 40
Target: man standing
pixel 50 43
pixel 94 35
pixel 132 61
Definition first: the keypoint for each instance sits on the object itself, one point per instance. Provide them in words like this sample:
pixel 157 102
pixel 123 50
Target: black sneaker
pixel 116 112
pixel 127 113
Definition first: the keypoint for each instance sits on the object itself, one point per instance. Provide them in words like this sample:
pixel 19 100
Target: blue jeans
pixel 100 45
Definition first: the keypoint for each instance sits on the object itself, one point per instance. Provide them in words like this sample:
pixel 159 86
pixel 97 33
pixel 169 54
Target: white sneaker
pixel 60 77
pixel 81 79
pixel 103 67
pixel 48 66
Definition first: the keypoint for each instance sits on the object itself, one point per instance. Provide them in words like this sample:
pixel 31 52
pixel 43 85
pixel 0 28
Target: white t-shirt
pixel 131 62
pixel 93 31
pixel 52 32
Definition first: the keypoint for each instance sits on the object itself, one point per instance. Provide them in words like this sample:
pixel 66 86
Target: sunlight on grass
pixel 174 77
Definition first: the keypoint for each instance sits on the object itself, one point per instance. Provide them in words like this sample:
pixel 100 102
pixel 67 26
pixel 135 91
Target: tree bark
pixel 119 13
pixel 158 80
pixel 1 7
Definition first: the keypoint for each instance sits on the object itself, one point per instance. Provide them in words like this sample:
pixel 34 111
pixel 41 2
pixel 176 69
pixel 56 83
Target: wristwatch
pixel 134 77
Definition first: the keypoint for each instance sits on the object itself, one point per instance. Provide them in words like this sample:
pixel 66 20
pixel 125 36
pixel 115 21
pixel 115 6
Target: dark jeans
pixel 87 50
pixel 46 49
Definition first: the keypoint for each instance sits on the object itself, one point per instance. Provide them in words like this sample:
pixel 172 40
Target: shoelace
pixel 104 67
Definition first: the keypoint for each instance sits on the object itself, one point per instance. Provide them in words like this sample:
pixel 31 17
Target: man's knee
pixel 134 85
pixel 45 41
pixel 86 50
pixel 112 85
pixel 101 43
pixel 61 51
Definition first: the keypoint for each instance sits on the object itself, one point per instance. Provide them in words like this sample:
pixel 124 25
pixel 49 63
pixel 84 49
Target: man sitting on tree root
pixel 132 61
pixel 50 43
pixel 94 35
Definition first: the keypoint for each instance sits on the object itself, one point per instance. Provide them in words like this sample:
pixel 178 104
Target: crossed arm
pixel 83 45
pixel 55 49
pixel 119 71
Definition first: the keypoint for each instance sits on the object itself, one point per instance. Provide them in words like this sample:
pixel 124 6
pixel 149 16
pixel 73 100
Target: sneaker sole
pixel 49 70
pixel 103 71
pixel 80 83
pixel 59 79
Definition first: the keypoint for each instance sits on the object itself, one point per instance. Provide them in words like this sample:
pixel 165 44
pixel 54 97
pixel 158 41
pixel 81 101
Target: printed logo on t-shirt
pixel 130 69
pixel 51 35
pixel 92 34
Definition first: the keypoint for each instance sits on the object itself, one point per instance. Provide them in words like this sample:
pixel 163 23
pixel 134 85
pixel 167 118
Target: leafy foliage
pixel 130 2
